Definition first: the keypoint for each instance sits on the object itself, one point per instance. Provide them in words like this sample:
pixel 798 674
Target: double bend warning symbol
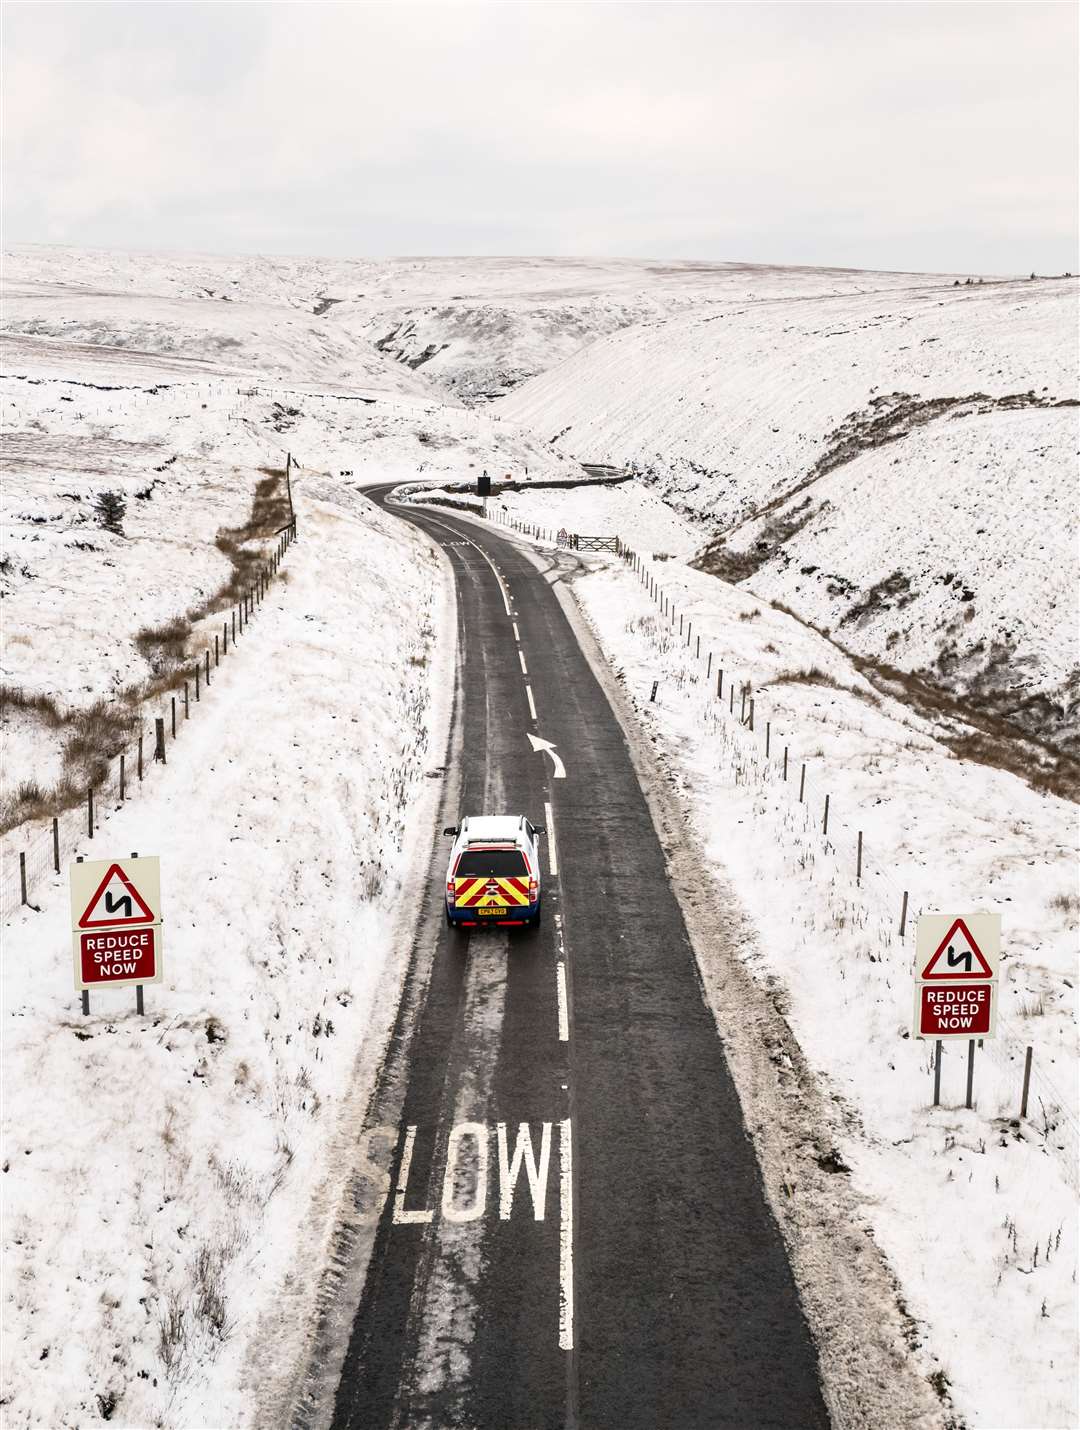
pixel 957 956
pixel 117 901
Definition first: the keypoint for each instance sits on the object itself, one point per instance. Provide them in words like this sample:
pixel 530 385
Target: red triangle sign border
pixel 145 917
pixel 955 975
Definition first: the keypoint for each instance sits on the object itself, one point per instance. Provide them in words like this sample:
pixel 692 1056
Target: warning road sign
pixel 953 949
pixel 116 900
pixel 116 921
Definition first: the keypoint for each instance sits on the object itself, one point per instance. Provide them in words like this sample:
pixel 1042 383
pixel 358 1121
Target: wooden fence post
pixel 225 638
pixel 785 762
pixel 858 861
pixel 825 821
pixel 971 1073
pixel 768 733
pixel 720 684
pixel 159 739
pixel 187 705
pixel 937 1072
pixel 121 779
pixel 802 783
pixel 731 698
pixel 56 844
pixel 1027 1083
pixel 217 654
pixel 140 757
pixel 208 665
pixel 697 651
pixel 903 914
pixel 742 710
pixel 90 811
pixel 22 874
pixel 708 668
pixel 751 712
pixel 198 697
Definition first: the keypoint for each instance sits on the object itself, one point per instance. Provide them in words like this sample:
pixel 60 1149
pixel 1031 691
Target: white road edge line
pixel 524 667
pixel 560 984
pixel 549 825
pixel 566 1239
pixel 532 702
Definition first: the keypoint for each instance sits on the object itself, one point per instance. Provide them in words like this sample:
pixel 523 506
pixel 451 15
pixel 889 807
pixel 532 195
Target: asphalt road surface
pixel 571 1229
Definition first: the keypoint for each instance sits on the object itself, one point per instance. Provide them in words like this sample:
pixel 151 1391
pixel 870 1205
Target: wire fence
pixel 1010 1083
pixel 32 854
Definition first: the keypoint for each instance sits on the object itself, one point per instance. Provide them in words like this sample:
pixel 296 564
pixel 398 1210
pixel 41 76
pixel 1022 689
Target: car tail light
pixel 533 886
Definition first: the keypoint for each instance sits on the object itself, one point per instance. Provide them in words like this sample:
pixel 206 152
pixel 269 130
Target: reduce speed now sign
pixel 116 922
pixel 956 964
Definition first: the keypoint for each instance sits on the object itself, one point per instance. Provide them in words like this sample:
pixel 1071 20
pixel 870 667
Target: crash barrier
pixel 149 733
pixel 1010 1085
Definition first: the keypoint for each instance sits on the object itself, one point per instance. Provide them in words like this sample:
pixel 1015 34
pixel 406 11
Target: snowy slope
pixel 474 327
pixel 54 327
pixel 897 468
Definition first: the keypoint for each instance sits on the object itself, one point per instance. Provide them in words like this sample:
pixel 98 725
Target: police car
pixel 494 872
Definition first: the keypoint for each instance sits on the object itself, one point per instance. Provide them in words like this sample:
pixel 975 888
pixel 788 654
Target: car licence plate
pixel 491 913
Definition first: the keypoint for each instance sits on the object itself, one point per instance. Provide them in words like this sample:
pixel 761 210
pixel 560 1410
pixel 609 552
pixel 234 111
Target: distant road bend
pixel 570 1224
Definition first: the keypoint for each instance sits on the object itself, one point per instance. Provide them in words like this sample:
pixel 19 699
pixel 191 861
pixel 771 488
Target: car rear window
pixel 492 863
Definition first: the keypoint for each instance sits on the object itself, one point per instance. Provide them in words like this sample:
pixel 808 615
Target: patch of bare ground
pixel 93 737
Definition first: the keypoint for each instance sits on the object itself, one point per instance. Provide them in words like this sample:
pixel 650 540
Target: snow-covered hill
pixel 473 327
pixel 896 468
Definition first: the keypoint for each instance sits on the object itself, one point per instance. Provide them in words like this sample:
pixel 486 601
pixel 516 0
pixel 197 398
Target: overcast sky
pixel 925 137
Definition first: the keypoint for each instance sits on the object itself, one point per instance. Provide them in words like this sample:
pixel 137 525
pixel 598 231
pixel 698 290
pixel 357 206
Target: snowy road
pixel 570 1225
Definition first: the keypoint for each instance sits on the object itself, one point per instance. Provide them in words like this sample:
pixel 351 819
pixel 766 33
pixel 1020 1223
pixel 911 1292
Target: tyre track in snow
pixel 642 1281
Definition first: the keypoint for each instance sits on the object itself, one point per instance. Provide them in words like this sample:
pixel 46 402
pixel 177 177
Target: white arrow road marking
pixel 538 744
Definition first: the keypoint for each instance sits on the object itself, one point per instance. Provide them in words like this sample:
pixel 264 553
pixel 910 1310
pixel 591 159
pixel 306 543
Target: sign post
pixel 956 965
pixel 116 924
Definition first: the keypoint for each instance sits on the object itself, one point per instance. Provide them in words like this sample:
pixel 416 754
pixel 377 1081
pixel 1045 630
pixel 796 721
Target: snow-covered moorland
pixel 897 468
pixel 190 1152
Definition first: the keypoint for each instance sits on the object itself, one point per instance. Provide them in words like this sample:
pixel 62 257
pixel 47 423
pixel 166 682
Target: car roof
pixel 497 828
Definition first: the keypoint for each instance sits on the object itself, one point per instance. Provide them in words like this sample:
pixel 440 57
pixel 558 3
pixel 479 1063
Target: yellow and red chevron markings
pixel 475 893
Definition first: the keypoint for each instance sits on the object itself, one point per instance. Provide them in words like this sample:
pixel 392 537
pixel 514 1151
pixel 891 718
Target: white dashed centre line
pixel 532 702
pixel 517 633
pixel 560 988
pixel 524 667
pixel 549 825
